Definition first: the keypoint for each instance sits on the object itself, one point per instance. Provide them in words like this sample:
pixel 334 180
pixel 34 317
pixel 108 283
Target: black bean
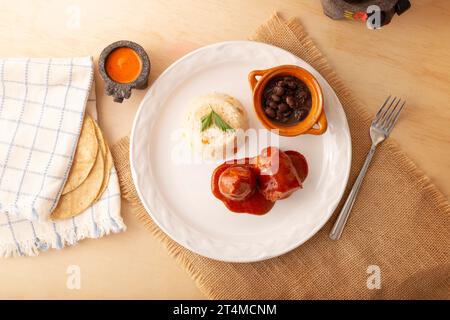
pixel 305 112
pixel 279 91
pixel 298 114
pixel 302 94
pixel 270 112
pixel 290 100
pixel 273 104
pixel 283 107
pixel 275 97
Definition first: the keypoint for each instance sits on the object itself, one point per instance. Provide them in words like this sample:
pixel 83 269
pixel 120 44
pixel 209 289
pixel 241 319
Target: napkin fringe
pixel 63 238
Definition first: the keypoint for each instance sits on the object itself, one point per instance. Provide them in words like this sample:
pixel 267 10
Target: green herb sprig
pixel 214 117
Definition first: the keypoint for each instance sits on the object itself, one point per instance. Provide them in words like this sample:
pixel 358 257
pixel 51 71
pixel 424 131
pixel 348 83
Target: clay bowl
pixel 314 123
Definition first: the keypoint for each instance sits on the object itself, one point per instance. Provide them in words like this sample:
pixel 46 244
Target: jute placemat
pixel 400 221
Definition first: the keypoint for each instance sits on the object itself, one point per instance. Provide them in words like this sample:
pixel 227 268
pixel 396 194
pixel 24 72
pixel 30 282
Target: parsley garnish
pixel 214 117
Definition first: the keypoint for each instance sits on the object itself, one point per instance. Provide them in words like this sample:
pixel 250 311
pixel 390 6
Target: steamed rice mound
pixel 214 143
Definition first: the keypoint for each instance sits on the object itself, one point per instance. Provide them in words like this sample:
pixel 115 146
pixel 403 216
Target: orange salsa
pixel 123 65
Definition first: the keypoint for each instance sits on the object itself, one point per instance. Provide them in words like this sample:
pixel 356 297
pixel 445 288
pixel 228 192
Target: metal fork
pixel 380 129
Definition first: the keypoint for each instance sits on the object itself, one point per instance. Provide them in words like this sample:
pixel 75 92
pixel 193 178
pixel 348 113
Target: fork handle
pixel 339 225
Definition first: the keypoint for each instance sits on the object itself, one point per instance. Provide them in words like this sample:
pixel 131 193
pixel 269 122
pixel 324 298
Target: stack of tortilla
pixel 89 174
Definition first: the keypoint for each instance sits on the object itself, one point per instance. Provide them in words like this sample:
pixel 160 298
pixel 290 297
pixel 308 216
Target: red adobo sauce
pixel 252 185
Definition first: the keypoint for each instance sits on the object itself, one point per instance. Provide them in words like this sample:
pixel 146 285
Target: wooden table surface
pixel 410 57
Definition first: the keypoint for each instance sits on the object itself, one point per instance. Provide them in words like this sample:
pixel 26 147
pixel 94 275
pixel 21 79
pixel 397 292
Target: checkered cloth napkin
pixel 42 105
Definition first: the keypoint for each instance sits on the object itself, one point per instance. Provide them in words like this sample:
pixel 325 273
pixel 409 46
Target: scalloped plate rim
pixel 266 256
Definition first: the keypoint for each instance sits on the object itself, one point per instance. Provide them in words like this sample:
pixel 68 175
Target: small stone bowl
pixel 118 90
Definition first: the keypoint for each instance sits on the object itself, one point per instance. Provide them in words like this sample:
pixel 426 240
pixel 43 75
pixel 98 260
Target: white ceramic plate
pixel 178 196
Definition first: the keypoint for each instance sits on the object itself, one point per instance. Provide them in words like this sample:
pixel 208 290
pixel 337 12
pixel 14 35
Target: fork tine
pixel 382 108
pixel 394 121
pixel 383 115
pixel 389 117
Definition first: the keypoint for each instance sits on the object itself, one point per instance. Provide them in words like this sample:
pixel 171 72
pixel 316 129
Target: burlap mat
pixel 400 221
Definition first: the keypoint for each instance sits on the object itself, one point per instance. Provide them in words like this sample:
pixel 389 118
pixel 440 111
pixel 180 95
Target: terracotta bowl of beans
pixel 288 99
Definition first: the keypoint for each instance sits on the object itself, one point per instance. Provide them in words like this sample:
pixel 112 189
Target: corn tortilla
pixel 85 156
pixel 107 158
pixel 78 200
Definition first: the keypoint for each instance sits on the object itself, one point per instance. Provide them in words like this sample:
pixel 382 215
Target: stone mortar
pixel 118 90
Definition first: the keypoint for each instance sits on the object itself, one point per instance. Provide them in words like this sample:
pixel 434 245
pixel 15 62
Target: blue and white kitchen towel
pixel 42 105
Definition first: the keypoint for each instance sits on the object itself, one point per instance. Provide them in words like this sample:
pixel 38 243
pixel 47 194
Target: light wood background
pixel 410 57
